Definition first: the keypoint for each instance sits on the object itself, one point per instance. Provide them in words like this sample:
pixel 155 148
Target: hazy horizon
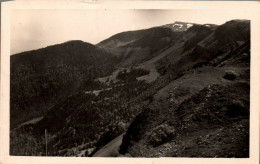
pixel 34 29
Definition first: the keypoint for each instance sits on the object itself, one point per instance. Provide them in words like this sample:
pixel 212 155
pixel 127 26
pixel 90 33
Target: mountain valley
pixel 177 90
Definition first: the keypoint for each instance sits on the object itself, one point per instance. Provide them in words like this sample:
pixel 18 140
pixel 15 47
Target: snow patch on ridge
pixel 180 25
pixel 189 25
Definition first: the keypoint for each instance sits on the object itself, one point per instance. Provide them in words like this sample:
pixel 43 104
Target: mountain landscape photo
pixel 181 89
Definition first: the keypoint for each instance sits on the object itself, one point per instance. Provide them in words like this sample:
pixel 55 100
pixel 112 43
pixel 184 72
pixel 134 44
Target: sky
pixel 34 29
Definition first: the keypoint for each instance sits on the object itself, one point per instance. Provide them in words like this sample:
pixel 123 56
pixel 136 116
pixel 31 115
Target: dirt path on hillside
pixel 110 149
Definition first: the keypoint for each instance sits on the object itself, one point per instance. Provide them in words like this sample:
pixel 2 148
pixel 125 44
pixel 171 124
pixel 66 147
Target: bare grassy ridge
pixel 208 112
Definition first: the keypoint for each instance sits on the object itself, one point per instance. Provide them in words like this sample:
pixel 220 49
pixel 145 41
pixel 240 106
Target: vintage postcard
pixel 130 82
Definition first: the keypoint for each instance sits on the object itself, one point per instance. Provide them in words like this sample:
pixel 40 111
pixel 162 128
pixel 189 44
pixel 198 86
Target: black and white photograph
pixel 130 83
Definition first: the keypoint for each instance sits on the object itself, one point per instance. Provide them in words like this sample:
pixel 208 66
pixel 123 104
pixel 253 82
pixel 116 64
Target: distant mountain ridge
pixel 180 26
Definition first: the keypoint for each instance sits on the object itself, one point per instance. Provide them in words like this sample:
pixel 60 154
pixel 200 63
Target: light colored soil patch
pixel 96 92
pixel 110 78
pixel 33 121
pixel 110 149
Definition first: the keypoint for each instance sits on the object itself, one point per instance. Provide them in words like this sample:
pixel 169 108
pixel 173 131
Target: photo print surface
pixel 130 83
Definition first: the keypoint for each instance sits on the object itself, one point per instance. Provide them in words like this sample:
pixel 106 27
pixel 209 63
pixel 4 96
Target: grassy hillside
pixel 204 112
